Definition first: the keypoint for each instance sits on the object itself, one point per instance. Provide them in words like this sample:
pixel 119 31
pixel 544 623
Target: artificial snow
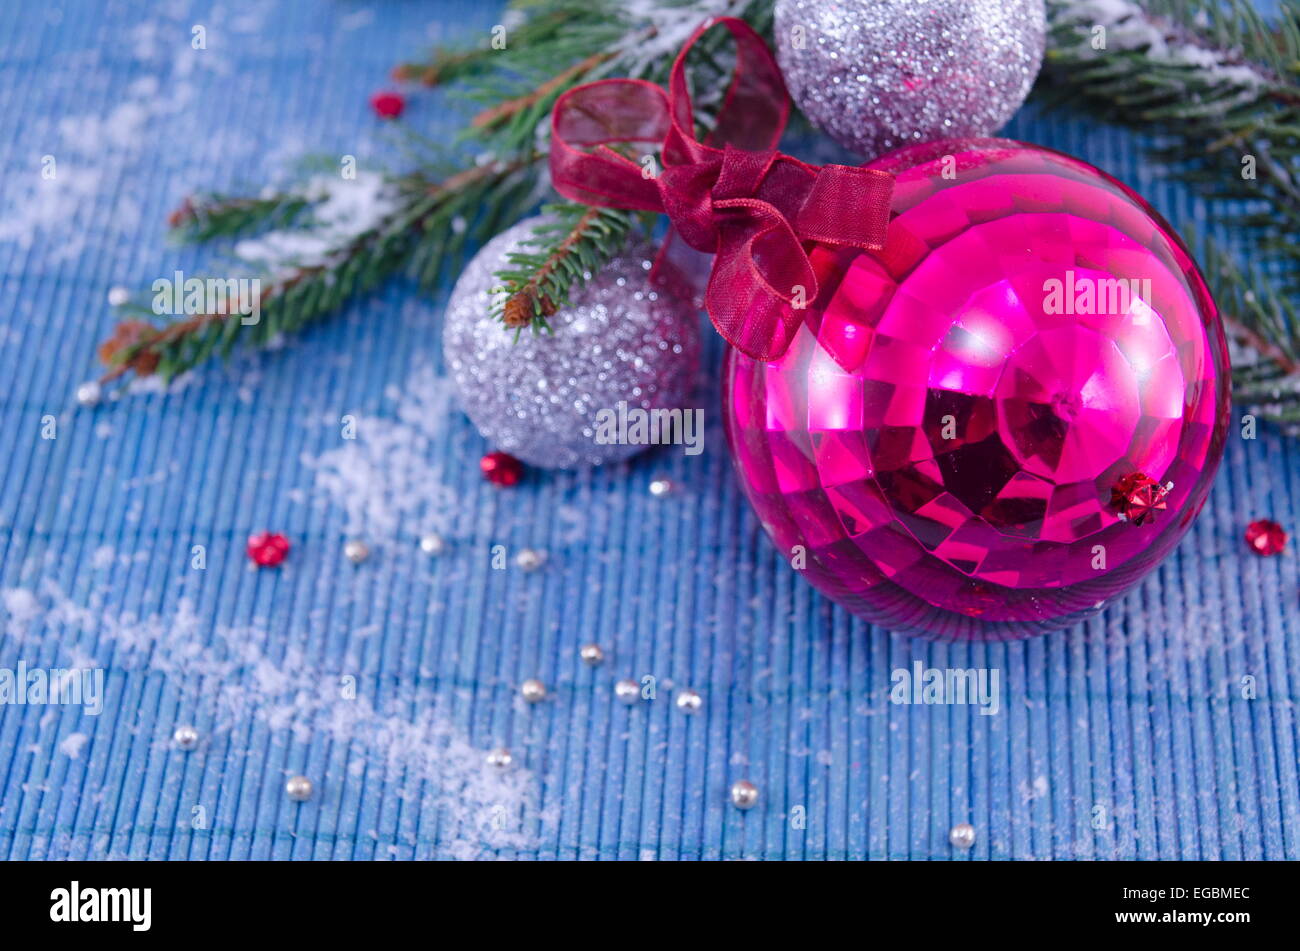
pixel 230 678
pixel 342 210
pixel 383 480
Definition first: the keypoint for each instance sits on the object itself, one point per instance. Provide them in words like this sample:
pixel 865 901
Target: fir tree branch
pixel 205 216
pixel 551 46
pixel 540 28
pixel 540 280
pixel 543 96
pixel 425 232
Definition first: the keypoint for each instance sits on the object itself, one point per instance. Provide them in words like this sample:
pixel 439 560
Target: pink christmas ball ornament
pixel 952 435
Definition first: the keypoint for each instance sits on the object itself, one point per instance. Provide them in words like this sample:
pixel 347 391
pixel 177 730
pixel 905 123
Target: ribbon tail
pixel 761 281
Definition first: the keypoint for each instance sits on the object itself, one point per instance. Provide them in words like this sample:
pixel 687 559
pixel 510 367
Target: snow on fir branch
pixel 1217 87
pixel 354 237
pixel 315 254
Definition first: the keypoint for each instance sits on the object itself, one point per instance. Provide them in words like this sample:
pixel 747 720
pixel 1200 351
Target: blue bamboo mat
pixel 1165 728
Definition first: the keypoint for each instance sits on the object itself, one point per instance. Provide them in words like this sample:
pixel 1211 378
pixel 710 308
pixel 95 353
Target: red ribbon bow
pixel 746 203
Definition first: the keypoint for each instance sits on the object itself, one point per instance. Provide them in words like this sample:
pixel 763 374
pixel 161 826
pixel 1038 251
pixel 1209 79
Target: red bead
pixel 501 468
pixel 1138 497
pixel 267 548
pixel 387 105
pixel 1265 537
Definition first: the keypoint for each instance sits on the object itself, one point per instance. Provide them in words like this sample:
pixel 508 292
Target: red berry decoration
pixel 501 468
pixel 1265 537
pixel 1138 497
pixel 267 548
pixel 387 104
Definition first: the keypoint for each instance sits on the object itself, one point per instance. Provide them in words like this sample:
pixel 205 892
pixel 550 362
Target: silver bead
pixel 962 835
pixel 432 544
pixel 118 295
pixel 356 551
pixel 592 655
pixel 660 488
pixel 89 393
pixel 500 758
pixel 627 692
pixel 185 737
pixel 744 794
pixel 688 701
pixel 533 690
pixel 298 788
pixel 530 559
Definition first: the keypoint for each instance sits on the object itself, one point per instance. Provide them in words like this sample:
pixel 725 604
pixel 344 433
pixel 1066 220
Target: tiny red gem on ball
pixel 1138 497
pixel 387 105
pixel 267 548
pixel 1265 537
pixel 501 468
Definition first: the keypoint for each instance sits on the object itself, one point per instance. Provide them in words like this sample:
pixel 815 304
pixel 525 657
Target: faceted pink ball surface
pixel 942 439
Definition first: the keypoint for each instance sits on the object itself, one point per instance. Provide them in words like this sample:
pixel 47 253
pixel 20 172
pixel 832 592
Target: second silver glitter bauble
pixel 877 75
pixel 540 397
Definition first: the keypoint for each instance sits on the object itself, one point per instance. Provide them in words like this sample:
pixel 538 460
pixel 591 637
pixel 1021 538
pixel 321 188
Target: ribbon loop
pixel 750 206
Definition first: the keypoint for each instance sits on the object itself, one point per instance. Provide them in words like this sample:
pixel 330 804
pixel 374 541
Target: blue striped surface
pixel 1134 736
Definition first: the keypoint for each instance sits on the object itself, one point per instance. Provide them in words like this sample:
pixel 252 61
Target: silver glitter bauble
pixel 432 544
pixel 744 794
pixel 627 692
pixel 538 397
pixel 593 655
pixel 533 690
pixel 876 75
pixel 500 758
pixel 299 789
pixel 962 835
pixel 356 551
pixel 185 737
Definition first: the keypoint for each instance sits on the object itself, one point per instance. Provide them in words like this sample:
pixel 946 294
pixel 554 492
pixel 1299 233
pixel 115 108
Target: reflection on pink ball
pixel 944 438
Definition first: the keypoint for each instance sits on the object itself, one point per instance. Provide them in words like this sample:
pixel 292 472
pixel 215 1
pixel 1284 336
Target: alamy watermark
pixel 1097 295
pixel 214 295
pixel 971 685
pixel 72 686
pixel 78 903
pixel 634 426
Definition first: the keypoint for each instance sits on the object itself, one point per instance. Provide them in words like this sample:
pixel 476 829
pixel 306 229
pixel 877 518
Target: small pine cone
pixel 144 363
pixel 549 307
pixel 518 311
pixel 182 214
pixel 128 334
